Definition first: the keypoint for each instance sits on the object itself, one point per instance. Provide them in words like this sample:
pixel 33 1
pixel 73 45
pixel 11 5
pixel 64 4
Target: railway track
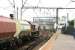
pixel 25 44
pixel 32 44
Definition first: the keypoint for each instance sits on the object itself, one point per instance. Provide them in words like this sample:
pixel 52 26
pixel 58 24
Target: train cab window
pixel 12 16
pixel 33 27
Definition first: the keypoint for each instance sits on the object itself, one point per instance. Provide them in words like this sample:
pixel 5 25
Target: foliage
pixel 71 23
pixel 69 29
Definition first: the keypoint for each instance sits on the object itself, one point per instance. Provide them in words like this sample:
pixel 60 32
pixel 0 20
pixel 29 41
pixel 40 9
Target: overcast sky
pixel 6 8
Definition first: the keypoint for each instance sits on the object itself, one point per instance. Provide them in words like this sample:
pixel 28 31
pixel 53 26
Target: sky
pixel 6 8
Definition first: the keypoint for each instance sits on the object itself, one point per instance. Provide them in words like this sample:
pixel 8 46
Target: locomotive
pixel 14 32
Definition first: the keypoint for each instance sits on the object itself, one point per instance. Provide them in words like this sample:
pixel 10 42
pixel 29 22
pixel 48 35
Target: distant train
pixel 13 32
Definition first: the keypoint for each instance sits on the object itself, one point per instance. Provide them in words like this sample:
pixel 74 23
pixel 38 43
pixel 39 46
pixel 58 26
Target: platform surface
pixel 50 43
pixel 60 42
pixel 64 42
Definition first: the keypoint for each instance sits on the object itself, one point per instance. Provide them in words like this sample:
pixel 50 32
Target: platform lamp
pixel 72 0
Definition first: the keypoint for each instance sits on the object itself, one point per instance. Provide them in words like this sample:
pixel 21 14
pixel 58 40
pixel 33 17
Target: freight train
pixel 15 32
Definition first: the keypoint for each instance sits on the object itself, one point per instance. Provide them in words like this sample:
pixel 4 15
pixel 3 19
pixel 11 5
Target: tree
pixel 71 23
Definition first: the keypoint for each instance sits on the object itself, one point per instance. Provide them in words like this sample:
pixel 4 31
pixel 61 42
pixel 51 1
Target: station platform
pixel 50 43
pixel 64 42
pixel 60 42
